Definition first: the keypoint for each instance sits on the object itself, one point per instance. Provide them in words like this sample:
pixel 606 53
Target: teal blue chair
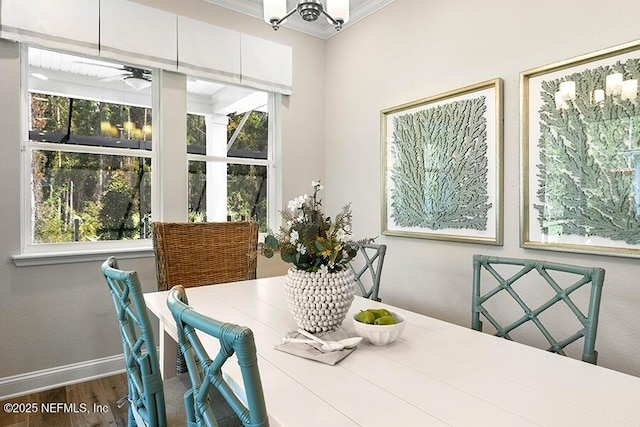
pixel 206 374
pixel 147 393
pixel 373 261
pixel 580 276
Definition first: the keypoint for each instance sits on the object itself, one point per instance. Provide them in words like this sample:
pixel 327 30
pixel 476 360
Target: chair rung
pixel 122 401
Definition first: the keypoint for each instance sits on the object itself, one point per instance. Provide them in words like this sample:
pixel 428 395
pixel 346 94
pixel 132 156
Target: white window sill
pixel 67 257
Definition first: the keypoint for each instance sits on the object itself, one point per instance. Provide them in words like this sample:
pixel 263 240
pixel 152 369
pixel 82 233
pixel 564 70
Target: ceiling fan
pixel 137 78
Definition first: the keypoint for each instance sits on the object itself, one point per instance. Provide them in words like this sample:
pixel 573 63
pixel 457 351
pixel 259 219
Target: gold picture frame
pixel 580 154
pixel 442 166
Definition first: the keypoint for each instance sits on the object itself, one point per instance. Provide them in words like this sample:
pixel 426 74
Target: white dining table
pixel 435 374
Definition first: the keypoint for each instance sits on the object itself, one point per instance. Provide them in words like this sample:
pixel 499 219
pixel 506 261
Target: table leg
pixel 168 352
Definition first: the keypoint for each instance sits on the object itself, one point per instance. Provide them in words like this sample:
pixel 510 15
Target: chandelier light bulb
pixel 338 10
pixel 614 84
pixel 598 96
pixel 629 90
pixel 568 90
pixel 274 10
pixel 561 104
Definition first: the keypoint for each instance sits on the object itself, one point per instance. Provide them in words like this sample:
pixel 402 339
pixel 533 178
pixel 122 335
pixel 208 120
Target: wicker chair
pixel 204 253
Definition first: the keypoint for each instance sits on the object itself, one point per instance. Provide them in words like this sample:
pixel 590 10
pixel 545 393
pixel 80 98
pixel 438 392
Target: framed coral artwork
pixel 580 184
pixel 442 166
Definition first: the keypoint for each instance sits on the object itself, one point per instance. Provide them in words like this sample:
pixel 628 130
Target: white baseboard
pixel 32 382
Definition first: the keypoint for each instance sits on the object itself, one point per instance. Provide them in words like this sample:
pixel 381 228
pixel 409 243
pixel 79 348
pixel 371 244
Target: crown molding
pixel 322 31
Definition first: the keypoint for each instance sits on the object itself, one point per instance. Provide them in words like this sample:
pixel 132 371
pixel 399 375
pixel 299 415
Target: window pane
pixel 225 123
pixel 101 193
pixel 247 139
pixel 243 192
pixel 197 191
pixel 92 123
pixel 252 139
pixel 196 133
pixel 89 197
pixel 247 193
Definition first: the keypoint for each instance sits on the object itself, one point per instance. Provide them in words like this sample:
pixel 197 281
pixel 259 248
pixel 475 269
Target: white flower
pixel 297 203
pixel 323 270
pixel 305 221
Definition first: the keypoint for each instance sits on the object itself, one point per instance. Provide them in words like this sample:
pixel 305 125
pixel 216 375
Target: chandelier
pixel 336 11
pixel 615 86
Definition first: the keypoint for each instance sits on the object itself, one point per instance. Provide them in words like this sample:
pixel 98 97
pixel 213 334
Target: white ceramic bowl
pixel 381 334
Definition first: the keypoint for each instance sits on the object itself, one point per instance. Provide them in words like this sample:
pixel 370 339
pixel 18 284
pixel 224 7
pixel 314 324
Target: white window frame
pixel 271 163
pixel 61 253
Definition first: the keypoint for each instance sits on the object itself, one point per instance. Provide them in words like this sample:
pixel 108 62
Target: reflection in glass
pixel 92 122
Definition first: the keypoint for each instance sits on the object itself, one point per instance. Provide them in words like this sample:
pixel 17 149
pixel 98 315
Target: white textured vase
pixel 319 303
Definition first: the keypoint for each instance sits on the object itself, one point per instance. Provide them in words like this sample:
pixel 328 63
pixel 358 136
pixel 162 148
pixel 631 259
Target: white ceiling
pixel 359 9
pixel 64 74
pixel 102 72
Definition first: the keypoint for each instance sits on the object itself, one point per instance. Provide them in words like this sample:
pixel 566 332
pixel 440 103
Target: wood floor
pixel 88 404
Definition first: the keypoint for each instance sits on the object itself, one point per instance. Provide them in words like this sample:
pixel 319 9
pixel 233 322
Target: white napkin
pixel 312 351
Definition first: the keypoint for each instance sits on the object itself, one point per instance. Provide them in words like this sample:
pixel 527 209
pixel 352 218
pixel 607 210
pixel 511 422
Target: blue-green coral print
pixel 440 167
pixel 589 159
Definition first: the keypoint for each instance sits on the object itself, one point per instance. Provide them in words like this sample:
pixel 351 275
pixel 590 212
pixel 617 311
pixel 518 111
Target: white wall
pixel 53 316
pixel 413 49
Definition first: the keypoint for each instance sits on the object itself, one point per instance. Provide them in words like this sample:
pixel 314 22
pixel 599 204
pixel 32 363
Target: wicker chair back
pixel 204 253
